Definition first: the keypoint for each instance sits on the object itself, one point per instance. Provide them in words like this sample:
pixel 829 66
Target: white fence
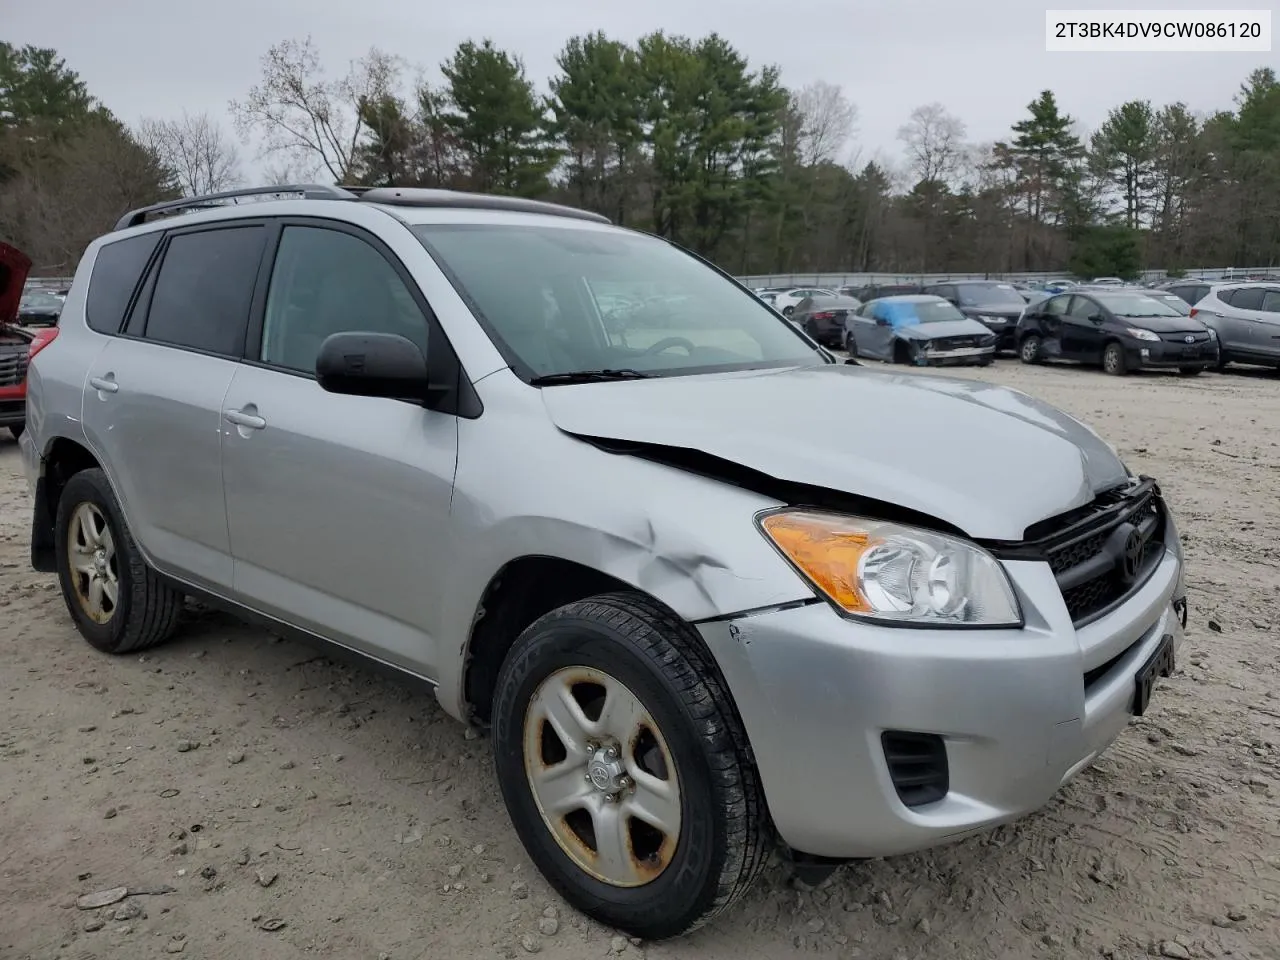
pixel 862 279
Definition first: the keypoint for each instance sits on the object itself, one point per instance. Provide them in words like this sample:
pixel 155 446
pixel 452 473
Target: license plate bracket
pixel 1159 664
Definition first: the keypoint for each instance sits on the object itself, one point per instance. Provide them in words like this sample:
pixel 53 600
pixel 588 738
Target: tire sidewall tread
pixel 665 663
pixel 148 608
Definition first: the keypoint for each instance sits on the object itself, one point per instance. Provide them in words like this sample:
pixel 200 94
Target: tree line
pixel 681 137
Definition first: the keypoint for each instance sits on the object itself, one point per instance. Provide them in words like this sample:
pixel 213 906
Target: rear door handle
pixel 242 419
pixel 105 385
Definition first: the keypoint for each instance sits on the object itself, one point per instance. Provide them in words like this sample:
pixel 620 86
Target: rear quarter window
pixel 116 272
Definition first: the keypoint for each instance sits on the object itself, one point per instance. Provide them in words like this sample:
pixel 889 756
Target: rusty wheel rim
pixel 602 776
pixel 91 556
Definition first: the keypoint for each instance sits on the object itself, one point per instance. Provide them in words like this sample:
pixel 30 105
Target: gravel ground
pixel 258 801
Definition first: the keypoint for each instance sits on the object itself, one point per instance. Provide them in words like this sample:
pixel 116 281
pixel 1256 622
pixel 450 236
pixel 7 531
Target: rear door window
pixel 1247 298
pixel 116 272
pixel 204 289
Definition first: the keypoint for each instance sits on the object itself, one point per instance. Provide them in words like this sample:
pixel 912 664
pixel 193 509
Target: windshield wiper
pixel 589 376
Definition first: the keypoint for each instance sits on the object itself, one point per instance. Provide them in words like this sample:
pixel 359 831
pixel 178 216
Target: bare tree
pixel 827 122
pixel 935 143
pixel 196 150
pixel 307 119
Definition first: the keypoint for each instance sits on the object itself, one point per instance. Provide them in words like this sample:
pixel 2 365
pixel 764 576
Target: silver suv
pixel 698 622
pixel 1246 318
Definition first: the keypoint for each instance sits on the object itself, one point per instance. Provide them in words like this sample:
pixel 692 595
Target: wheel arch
pixel 62 459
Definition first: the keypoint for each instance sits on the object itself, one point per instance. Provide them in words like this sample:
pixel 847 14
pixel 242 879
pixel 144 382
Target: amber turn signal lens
pixel 825 551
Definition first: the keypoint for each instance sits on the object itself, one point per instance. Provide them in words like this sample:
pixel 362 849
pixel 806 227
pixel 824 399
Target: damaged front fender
pixel 688 541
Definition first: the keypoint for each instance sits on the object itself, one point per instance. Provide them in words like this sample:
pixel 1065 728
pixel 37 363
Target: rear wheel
pixel 850 345
pixel 788 311
pixel 1029 351
pixel 625 768
pixel 118 603
pixel 1113 361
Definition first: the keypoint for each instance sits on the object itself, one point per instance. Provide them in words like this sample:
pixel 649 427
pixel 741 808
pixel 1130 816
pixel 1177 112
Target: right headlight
pixel 890 573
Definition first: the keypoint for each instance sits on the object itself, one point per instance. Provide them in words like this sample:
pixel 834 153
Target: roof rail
pixel 309 191
pixel 421 197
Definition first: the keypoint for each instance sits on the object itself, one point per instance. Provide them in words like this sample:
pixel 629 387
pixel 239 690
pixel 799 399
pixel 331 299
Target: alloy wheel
pixel 91 555
pixel 602 776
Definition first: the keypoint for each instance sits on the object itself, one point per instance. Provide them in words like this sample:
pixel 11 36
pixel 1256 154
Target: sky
pixel 983 60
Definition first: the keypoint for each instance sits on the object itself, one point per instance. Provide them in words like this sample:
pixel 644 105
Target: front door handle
pixel 242 419
pixel 103 384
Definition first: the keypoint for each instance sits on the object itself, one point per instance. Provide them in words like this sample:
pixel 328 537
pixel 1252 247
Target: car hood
pixel 944 328
pixel 987 460
pixel 1164 324
pixel 14 267
pixel 1011 310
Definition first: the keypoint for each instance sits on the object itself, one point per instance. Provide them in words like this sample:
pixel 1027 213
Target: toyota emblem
pixel 1135 549
pixel 1189 339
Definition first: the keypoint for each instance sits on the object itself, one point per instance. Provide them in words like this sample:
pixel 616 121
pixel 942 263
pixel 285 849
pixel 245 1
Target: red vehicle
pixel 17 343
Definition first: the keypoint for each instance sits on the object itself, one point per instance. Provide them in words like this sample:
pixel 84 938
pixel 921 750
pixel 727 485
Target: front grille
pixel 954 343
pixel 13 368
pixel 1103 552
pixel 1181 338
pixel 917 766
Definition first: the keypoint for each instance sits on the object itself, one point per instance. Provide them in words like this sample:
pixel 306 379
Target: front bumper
pixel 959 356
pixel 13 405
pixel 1163 355
pixel 1013 708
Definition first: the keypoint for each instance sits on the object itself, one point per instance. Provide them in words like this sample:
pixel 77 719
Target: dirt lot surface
pixel 293 807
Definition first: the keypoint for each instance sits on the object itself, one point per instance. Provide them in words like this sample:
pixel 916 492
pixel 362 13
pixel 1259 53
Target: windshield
pixel 976 294
pixel 1131 305
pixel 565 299
pixel 909 313
pixel 45 301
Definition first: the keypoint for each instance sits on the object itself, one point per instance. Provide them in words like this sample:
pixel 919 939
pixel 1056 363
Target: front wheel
pixel 1113 361
pixel 788 311
pixel 1029 351
pixel 625 768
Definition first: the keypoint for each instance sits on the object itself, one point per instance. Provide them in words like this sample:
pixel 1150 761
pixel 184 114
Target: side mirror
pixel 372 365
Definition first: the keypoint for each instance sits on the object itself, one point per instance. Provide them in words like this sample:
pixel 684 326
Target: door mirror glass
pixel 372 365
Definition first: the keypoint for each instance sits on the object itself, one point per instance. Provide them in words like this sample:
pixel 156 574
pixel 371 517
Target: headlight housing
pixel 1213 334
pixel 1141 334
pixel 894 574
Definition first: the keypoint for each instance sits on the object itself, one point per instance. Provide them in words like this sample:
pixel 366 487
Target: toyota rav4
pixel 696 623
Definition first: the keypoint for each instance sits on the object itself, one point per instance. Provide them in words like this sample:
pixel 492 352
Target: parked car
pixel 1246 318
pixel 994 304
pixel 1121 330
pixel 695 620
pixel 1192 291
pixel 875 291
pixel 918 329
pixel 785 301
pixel 823 318
pixel 39 308
pixel 1107 282
pixel 18 342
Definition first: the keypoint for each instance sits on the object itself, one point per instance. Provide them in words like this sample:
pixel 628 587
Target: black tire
pixel 724 836
pixel 850 345
pixel 1221 363
pixel 148 608
pixel 1191 371
pixel 1029 349
pixel 1113 361
pixel 811 329
pixel 788 311
pixel 17 429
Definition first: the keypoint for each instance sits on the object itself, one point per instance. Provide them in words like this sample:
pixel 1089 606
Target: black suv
pixel 993 303
pixel 1122 330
